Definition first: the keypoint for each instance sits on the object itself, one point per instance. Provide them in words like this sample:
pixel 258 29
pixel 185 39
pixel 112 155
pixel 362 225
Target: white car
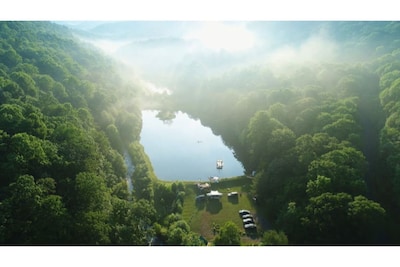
pixel 250 226
pixel 243 212
pixel 248 220
pixel 246 216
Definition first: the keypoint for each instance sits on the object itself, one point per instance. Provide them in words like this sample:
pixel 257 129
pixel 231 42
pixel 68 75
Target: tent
pixel 203 186
pixel 214 179
pixel 214 194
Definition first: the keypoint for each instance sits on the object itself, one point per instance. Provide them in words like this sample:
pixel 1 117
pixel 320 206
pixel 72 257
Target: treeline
pixel 67 118
pixel 322 138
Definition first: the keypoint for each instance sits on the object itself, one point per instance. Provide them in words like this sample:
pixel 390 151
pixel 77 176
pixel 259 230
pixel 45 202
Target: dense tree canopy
pixel 62 142
pixel 229 235
pixel 322 139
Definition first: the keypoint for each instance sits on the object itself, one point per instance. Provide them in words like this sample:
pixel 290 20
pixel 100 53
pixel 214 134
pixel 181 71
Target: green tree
pixel 318 186
pixel 176 236
pixel 192 239
pixel 367 218
pixel 10 57
pixel 26 83
pixel 50 66
pixel 52 224
pixel 179 233
pixel 44 82
pixel 391 96
pixel 326 220
pixel 11 118
pixel 290 222
pixel 345 167
pixel 229 235
pixel 273 237
pixel 258 133
pixel 28 154
pixel 343 129
pixel 114 137
pixel 20 210
pixel 91 193
pixel 131 223
pixel 91 228
pixel 281 141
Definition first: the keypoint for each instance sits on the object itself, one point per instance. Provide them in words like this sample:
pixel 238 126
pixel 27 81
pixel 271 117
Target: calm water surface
pixel 184 149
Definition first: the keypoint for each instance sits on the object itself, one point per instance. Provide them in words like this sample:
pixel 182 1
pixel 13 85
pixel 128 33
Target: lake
pixel 184 150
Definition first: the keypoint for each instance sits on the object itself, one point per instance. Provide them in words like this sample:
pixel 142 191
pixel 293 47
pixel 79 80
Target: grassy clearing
pixel 203 215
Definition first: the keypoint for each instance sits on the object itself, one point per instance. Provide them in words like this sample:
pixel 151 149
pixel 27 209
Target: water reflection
pixel 183 149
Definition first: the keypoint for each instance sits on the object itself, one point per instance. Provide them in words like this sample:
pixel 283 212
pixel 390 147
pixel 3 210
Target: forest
pixel 321 136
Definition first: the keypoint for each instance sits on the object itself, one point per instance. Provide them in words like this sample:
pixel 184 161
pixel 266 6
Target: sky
pixel 199 10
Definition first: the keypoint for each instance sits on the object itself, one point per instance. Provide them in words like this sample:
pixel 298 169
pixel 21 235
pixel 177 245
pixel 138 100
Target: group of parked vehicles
pixel 248 219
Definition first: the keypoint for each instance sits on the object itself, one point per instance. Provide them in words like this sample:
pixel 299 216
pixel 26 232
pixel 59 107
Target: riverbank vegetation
pixel 318 134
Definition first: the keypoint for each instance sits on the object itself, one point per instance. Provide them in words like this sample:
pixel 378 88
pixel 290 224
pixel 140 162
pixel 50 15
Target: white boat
pixel 220 164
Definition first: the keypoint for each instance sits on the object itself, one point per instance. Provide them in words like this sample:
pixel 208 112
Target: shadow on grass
pixel 252 233
pixel 233 199
pixel 214 206
pixel 200 204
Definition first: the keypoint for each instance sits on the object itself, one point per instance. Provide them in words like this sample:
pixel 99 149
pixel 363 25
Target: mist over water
pixel 186 58
pixel 183 149
pixel 164 53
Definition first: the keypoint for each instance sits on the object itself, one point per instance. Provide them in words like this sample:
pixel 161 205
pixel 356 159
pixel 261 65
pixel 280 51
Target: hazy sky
pixel 218 35
pixel 199 10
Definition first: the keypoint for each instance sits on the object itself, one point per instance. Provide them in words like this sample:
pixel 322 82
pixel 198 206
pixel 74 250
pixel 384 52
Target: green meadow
pixel 207 215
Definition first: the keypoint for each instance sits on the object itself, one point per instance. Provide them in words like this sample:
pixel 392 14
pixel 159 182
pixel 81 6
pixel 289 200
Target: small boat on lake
pixel 220 164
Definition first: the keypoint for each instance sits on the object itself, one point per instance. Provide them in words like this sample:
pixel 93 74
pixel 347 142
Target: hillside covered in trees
pixel 67 138
pixel 321 135
pixel 321 132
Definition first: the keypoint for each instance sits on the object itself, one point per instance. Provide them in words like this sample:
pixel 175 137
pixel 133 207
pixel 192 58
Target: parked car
pixel 243 212
pixel 250 226
pixel 245 216
pixel 248 220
